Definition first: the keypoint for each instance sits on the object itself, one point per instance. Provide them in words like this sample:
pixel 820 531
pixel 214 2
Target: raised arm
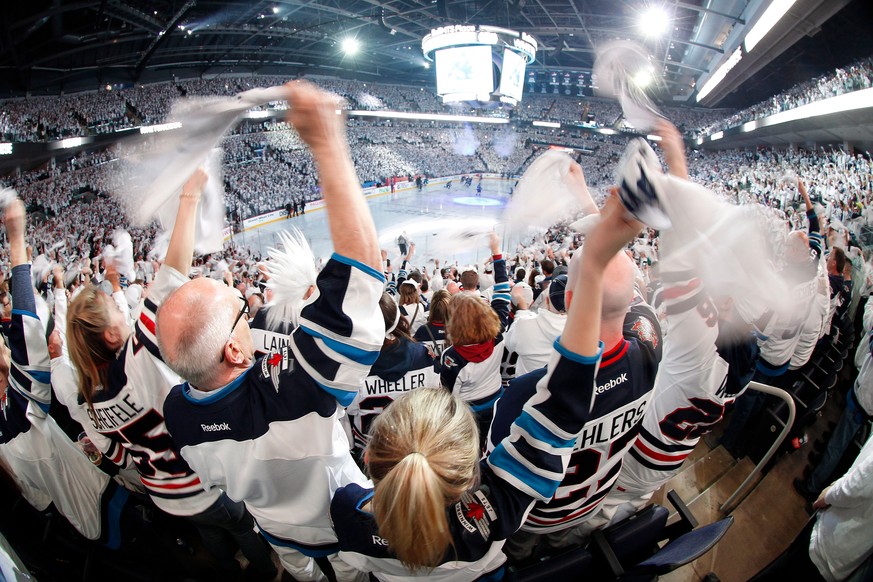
pixel 576 180
pixel 803 192
pixel 180 251
pixel 673 147
pixel 607 238
pixel 26 336
pixel 500 297
pixel 313 113
pixel 14 218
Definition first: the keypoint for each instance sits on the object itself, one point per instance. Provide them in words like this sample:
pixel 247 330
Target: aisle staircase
pixel 765 522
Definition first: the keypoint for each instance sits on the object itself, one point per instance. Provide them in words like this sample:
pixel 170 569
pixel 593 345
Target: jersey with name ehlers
pixel 623 390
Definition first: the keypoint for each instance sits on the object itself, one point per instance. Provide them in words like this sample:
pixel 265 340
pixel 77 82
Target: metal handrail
pixel 735 499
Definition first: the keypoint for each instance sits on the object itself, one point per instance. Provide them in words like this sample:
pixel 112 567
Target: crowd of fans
pixel 586 302
pixel 854 77
pixel 107 110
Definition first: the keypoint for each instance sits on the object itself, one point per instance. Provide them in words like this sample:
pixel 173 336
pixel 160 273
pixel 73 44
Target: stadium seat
pixel 681 551
pixel 562 567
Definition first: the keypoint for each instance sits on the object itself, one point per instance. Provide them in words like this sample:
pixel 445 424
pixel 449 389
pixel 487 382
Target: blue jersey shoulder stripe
pixel 536 430
pixel 344 397
pixel 23 312
pixel 365 357
pixel 359 265
pixel 40 376
pixel 501 459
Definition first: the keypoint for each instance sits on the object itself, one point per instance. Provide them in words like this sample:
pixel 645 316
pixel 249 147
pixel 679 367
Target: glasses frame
pixel 244 310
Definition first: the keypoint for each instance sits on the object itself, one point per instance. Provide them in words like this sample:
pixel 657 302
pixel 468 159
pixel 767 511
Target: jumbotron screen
pixel 464 70
pixel 512 75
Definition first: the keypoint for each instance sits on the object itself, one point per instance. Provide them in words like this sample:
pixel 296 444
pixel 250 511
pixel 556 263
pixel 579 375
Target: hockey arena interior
pixel 351 290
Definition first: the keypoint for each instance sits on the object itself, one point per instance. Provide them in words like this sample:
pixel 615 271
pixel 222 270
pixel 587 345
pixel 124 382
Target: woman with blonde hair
pixel 470 369
pixel 124 381
pixel 436 510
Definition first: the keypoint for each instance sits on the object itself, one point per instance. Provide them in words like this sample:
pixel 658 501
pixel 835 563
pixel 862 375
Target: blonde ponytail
pixel 423 455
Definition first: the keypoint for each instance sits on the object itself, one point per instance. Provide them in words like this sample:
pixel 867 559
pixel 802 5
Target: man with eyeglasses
pixel 267 430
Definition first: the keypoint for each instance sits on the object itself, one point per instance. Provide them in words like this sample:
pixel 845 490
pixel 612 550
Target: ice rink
pixel 443 223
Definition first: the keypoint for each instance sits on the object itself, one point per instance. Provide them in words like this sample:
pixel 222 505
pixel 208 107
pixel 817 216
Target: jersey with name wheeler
pixel 621 395
pixel 272 437
pixel 525 467
pixel 44 462
pixel 401 367
pixel 129 411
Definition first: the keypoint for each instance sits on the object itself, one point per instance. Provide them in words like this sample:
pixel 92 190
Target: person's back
pixel 268 430
pixel 425 463
pixel 44 463
pixel 470 368
pixel 531 338
pixel 129 409
pixel 403 365
pixel 625 379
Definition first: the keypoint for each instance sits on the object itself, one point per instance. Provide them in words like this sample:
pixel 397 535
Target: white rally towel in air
pixel 544 195
pixel 617 69
pixel 119 254
pixel 152 175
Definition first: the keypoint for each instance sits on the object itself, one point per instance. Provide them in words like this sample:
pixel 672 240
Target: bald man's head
pixel 618 286
pixel 195 324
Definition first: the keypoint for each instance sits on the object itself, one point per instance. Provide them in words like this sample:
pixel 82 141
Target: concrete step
pixel 705 506
pixel 701 469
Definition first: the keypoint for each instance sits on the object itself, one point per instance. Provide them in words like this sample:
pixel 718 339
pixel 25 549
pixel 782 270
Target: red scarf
pixel 476 352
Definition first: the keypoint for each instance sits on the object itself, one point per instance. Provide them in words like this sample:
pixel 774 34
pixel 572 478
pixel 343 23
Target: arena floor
pixel 430 218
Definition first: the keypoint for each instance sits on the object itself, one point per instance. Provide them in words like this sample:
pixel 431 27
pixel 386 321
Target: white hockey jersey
pixel 129 412
pixel 692 389
pixel 272 437
pixel 45 463
pixel 401 367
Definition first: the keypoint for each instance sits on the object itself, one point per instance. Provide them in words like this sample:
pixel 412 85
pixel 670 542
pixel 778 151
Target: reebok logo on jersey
pixel 611 384
pixel 215 427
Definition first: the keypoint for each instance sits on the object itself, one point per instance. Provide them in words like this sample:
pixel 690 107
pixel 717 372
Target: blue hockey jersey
pixel 525 467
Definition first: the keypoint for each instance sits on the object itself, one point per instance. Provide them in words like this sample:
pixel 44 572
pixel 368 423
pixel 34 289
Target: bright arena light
pixel 655 22
pixel 643 78
pixel 351 46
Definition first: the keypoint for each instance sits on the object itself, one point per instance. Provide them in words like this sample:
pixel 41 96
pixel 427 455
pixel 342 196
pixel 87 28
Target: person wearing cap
pixel 531 338
pixel 521 296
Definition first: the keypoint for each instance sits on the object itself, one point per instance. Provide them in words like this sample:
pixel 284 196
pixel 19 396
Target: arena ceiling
pixel 48 46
